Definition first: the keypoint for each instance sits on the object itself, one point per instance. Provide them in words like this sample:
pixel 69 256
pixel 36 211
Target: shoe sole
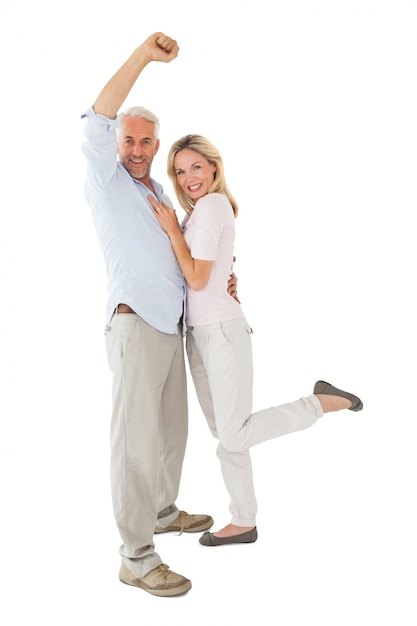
pixel 210 540
pixel 178 530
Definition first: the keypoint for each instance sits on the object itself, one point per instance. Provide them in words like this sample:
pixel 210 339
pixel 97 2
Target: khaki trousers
pixel 148 435
pixel 220 357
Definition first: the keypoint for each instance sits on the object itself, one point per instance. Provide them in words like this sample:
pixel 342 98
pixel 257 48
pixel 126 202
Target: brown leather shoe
pixel 327 389
pixel 159 582
pixel 209 539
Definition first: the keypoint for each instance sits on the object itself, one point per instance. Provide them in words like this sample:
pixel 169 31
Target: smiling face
pixel 194 173
pixel 137 147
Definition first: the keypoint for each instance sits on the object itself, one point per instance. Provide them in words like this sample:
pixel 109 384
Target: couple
pixel 156 270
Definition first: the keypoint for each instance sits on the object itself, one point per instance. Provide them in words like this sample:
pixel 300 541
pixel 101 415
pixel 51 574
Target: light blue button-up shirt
pixel 141 267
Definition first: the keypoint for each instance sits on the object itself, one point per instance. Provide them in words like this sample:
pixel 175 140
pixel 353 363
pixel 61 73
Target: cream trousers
pixel 148 433
pixel 220 358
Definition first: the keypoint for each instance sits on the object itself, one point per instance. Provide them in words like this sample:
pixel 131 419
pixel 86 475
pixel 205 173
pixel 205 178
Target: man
pixel 144 339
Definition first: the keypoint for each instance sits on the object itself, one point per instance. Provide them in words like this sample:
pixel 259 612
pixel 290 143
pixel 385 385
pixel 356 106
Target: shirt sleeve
pixel 210 216
pixel 100 147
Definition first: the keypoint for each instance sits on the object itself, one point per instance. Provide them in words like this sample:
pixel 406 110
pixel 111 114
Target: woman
pixel 218 339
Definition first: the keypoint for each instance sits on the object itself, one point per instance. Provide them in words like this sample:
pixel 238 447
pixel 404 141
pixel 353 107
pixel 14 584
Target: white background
pixel 312 104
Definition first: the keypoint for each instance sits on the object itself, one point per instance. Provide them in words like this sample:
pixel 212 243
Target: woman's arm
pixel 196 272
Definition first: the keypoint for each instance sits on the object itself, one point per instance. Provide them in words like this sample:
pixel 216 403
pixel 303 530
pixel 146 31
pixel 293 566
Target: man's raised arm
pixel 157 47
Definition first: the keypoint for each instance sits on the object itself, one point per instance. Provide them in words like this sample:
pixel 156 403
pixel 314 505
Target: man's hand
pixel 232 287
pixel 161 47
pixel 232 284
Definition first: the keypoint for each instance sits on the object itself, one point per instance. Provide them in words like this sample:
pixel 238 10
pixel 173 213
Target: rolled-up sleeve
pixel 100 147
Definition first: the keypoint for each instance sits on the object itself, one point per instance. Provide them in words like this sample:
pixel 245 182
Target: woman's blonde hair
pixel 208 151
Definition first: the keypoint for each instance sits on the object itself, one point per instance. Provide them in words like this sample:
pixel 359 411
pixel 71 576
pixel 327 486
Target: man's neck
pixel 146 182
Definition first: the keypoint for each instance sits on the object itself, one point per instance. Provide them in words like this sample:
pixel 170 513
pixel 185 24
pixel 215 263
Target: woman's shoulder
pixel 214 201
pixel 215 198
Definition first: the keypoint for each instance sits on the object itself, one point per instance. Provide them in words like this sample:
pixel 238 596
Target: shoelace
pixel 182 515
pixel 163 571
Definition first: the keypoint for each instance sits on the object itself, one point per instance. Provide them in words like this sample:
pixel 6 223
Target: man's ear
pixel 156 146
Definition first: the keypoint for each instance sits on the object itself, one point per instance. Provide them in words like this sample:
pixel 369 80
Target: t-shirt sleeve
pixel 211 215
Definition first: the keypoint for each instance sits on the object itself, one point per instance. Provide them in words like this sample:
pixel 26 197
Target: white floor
pixel 336 525
pixel 326 263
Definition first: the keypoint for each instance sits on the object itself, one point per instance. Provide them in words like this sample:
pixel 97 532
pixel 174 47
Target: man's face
pixel 137 146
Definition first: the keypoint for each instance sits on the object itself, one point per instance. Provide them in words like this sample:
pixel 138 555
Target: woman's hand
pixel 167 217
pixel 196 271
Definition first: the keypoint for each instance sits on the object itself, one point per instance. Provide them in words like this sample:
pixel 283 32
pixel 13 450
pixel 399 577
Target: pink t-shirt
pixel 209 233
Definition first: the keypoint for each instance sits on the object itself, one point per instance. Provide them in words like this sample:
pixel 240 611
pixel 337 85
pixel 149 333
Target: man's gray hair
pixel 144 114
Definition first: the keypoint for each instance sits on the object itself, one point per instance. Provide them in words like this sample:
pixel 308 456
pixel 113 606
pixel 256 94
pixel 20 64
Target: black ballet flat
pixel 326 388
pixel 209 539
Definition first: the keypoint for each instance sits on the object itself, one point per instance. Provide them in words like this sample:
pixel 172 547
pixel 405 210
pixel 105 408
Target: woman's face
pixel 195 174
